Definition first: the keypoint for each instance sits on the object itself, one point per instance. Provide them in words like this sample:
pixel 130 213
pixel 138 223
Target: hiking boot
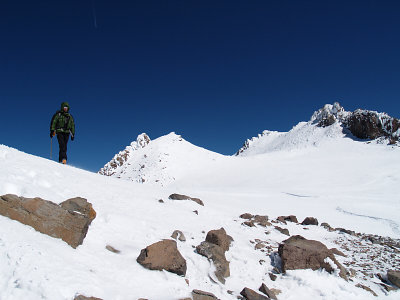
pixel 64 161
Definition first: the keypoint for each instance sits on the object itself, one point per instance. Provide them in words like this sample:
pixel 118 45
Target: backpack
pixel 52 119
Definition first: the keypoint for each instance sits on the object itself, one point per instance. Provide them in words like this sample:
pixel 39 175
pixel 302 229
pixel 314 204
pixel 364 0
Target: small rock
pixel 201 295
pixel 350 232
pixel 249 223
pixel 179 233
pixel 262 220
pixel 290 218
pixel 394 277
pixel 184 197
pixel 81 297
pixel 246 216
pixel 259 246
pixel 272 276
pixel 359 285
pixel 249 294
pixel 112 249
pixel 282 230
pixel 310 221
pixel 265 290
pixel 163 255
pixel 196 212
pixel 161 201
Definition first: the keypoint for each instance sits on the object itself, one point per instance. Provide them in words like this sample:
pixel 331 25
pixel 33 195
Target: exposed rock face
pixel 184 197
pixel 300 253
pixel 394 277
pixel 310 221
pixel 249 294
pixel 201 295
pixel 219 238
pixel 163 255
pixel 217 255
pixel 68 221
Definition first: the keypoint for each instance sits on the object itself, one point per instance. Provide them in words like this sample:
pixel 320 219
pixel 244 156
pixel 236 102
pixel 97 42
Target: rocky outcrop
pixel 249 294
pixel 214 247
pixel 184 197
pixel 201 295
pixel 68 221
pixel 394 277
pixel 163 255
pixel 300 253
pixel 310 221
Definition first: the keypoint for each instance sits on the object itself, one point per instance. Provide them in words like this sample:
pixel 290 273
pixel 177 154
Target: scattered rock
pixel 249 294
pixel 201 295
pixel 249 223
pixel 282 230
pixel 112 249
pixel 327 227
pixel 161 201
pixel 220 238
pixel 310 221
pixel 265 290
pixel 394 277
pixel 272 276
pixel 81 297
pixel 262 220
pixel 179 233
pixel 217 255
pixel 359 285
pixel 350 232
pixel 184 197
pixel 259 245
pixel 300 253
pixel 246 216
pixel 196 212
pixel 338 252
pixel 285 219
pixel 163 255
pixel 68 221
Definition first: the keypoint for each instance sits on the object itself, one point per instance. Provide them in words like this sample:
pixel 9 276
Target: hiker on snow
pixel 63 125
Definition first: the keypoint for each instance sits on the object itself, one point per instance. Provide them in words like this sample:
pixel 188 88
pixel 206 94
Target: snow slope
pixel 340 181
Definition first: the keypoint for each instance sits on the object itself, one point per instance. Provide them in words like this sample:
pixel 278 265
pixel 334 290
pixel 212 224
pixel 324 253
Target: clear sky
pixel 217 72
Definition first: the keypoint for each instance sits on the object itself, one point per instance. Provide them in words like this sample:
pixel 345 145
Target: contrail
pixel 94 15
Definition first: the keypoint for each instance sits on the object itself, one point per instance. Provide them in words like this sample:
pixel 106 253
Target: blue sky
pixel 216 72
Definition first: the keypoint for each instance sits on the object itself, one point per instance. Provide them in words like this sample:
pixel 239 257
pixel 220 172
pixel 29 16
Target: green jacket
pixel 63 121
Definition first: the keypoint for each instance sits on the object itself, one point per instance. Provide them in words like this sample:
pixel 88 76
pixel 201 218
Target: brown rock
pixel 394 277
pixel 290 218
pixel 69 221
pixel 300 253
pixel 201 295
pixel 81 297
pixel 184 197
pixel 217 255
pixel 177 234
pixel 310 221
pixel 163 255
pixel 249 294
pixel 272 276
pixel 359 285
pixel 282 230
pixel 220 238
pixel 246 216
pixel 112 249
pixel 265 290
pixel 249 223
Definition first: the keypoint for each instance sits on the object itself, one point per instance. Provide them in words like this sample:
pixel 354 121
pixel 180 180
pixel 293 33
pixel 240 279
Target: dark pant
pixel 62 138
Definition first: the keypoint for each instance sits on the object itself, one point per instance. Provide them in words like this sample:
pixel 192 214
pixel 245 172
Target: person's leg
pixel 66 138
pixel 62 145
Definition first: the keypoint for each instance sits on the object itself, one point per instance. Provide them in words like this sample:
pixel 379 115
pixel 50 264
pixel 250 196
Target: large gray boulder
pixel 299 253
pixel 68 221
pixel 163 255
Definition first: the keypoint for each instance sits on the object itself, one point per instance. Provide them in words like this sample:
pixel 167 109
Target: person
pixel 63 125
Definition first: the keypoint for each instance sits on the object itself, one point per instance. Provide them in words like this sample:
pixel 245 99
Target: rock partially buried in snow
pixel 285 219
pixel 394 277
pixel 284 231
pixel 177 234
pixel 68 221
pixel 217 255
pixel 299 253
pixel 265 290
pixel 220 238
pixel 81 297
pixel 249 294
pixel 201 295
pixel 163 255
pixel 310 221
pixel 184 197
pixel 364 287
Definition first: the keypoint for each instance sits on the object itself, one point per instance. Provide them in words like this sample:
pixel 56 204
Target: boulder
pixel 265 290
pixel 68 221
pixel 394 277
pixel 285 219
pixel 177 234
pixel 262 220
pixel 184 197
pixel 282 230
pixel 201 295
pixel 220 238
pixel 310 221
pixel 299 253
pixel 163 255
pixel 217 255
pixel 246 216
pixel 249 294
